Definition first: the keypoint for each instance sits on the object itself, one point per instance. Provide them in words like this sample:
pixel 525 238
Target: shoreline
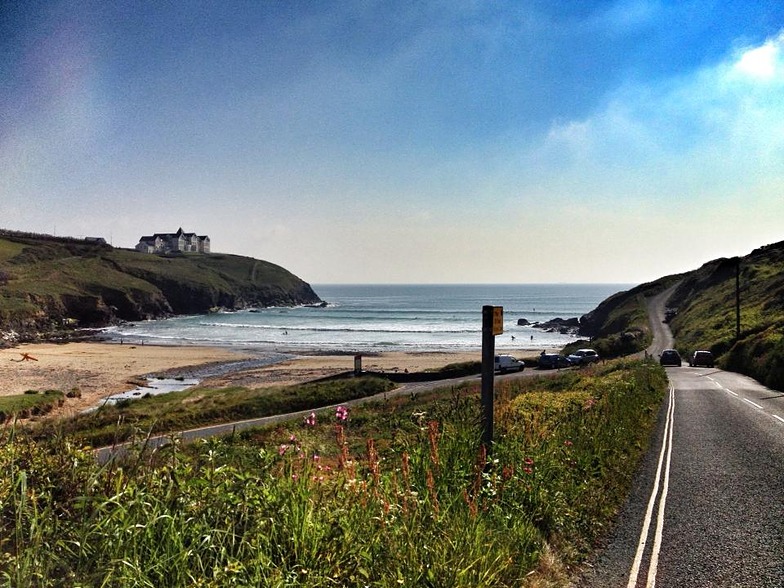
pixel 99 369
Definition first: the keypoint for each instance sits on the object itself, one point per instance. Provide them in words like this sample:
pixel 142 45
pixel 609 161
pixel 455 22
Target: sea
pixel 378 318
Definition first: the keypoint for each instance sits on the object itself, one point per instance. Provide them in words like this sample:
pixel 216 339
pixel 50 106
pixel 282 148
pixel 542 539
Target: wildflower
pixel 528 461
pixel 568 443
pixel 293 438
pixel 282 449
pixel 528 470
pixel 316 457
pixel 295 477
pixel 310 420
pixel 341 413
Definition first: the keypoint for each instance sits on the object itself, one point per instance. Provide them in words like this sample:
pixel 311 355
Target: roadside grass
pixel 196 407
pixel 396 493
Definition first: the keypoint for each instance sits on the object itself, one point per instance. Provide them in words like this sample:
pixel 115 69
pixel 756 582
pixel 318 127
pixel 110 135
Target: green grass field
pixel 397 493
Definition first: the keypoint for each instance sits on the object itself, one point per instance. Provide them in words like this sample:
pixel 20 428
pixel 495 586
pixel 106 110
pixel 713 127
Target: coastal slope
pixel 732 307
pixel 50 285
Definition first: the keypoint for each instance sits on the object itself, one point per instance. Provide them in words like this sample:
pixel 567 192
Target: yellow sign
pixel 498 320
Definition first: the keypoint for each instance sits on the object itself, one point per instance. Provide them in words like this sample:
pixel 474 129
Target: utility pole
pixel 737 299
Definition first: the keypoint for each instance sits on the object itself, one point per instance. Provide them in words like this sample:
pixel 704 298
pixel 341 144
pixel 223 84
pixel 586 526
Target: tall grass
pixel 322 503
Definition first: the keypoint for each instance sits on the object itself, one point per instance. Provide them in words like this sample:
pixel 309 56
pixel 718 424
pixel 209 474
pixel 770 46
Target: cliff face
pixel 49 285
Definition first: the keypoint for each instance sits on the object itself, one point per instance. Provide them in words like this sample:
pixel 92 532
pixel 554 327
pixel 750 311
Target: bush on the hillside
pixel 457 370
pixel 621 344
pixel 760 356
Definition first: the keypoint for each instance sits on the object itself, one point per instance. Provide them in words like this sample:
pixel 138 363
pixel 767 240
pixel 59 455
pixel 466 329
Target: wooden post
pixel 488 368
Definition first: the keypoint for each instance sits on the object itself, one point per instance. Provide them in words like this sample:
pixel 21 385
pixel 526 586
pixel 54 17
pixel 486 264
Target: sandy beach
pixel 98 370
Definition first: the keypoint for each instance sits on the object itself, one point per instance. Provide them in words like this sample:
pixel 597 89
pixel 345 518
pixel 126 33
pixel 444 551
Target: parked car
pixel 550 361
pixel 702 358
pixel 670 357
pixel 507 363
pixel 583 357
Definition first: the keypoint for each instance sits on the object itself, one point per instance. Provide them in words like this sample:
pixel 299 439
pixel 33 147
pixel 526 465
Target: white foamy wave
pixel 377 318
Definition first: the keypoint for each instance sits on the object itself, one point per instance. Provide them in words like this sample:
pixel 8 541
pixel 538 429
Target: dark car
pixel 670 357
pixel 702 358
pixel 551 361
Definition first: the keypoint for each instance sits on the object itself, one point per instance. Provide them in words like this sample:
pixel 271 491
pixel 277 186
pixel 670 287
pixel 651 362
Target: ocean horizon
pixel 385 317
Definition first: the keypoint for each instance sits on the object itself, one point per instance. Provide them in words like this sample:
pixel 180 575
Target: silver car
pixel 583 357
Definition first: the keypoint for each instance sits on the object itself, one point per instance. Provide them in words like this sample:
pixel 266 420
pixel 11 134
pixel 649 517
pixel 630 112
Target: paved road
pixel 104 454
pixel 707 507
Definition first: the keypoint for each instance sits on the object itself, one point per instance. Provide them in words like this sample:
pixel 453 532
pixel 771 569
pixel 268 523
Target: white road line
pixel 662 501
pixel 666 443
pixel 775 416
pixel 728 391
pixel 752 403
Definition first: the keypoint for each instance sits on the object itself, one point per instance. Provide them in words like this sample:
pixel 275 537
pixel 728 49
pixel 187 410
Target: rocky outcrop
pixel 52 286
pixel 557 325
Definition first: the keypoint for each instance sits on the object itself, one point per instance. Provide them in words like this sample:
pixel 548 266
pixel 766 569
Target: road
pixel 104 454
pixel 707 506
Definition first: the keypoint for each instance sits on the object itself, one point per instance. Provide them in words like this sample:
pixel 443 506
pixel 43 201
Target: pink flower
pixel 568 443
pixel 282 449
pixel 310 420
pixel 293 438
pixel 529 461
pixel 528 470
pixel 341 413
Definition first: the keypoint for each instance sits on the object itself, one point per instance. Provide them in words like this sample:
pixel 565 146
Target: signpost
pixel 492 325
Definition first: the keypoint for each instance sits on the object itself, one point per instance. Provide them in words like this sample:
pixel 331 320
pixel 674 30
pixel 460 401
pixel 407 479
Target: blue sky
pixel 412 142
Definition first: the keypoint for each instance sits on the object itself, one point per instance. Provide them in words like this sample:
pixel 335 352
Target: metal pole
pixel 488 354
pixel 737 300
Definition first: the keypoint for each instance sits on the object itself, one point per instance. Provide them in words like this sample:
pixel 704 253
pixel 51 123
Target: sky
pixel 454 141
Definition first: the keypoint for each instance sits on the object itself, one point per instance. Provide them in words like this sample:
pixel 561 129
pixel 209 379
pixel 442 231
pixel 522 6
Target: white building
pixel 169 242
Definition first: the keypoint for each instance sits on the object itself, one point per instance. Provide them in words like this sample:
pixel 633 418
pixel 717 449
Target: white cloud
pixel 762 62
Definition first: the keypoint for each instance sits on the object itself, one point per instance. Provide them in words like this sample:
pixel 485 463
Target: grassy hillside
pixel 619 325
pixel 48 283
pixel 704 315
